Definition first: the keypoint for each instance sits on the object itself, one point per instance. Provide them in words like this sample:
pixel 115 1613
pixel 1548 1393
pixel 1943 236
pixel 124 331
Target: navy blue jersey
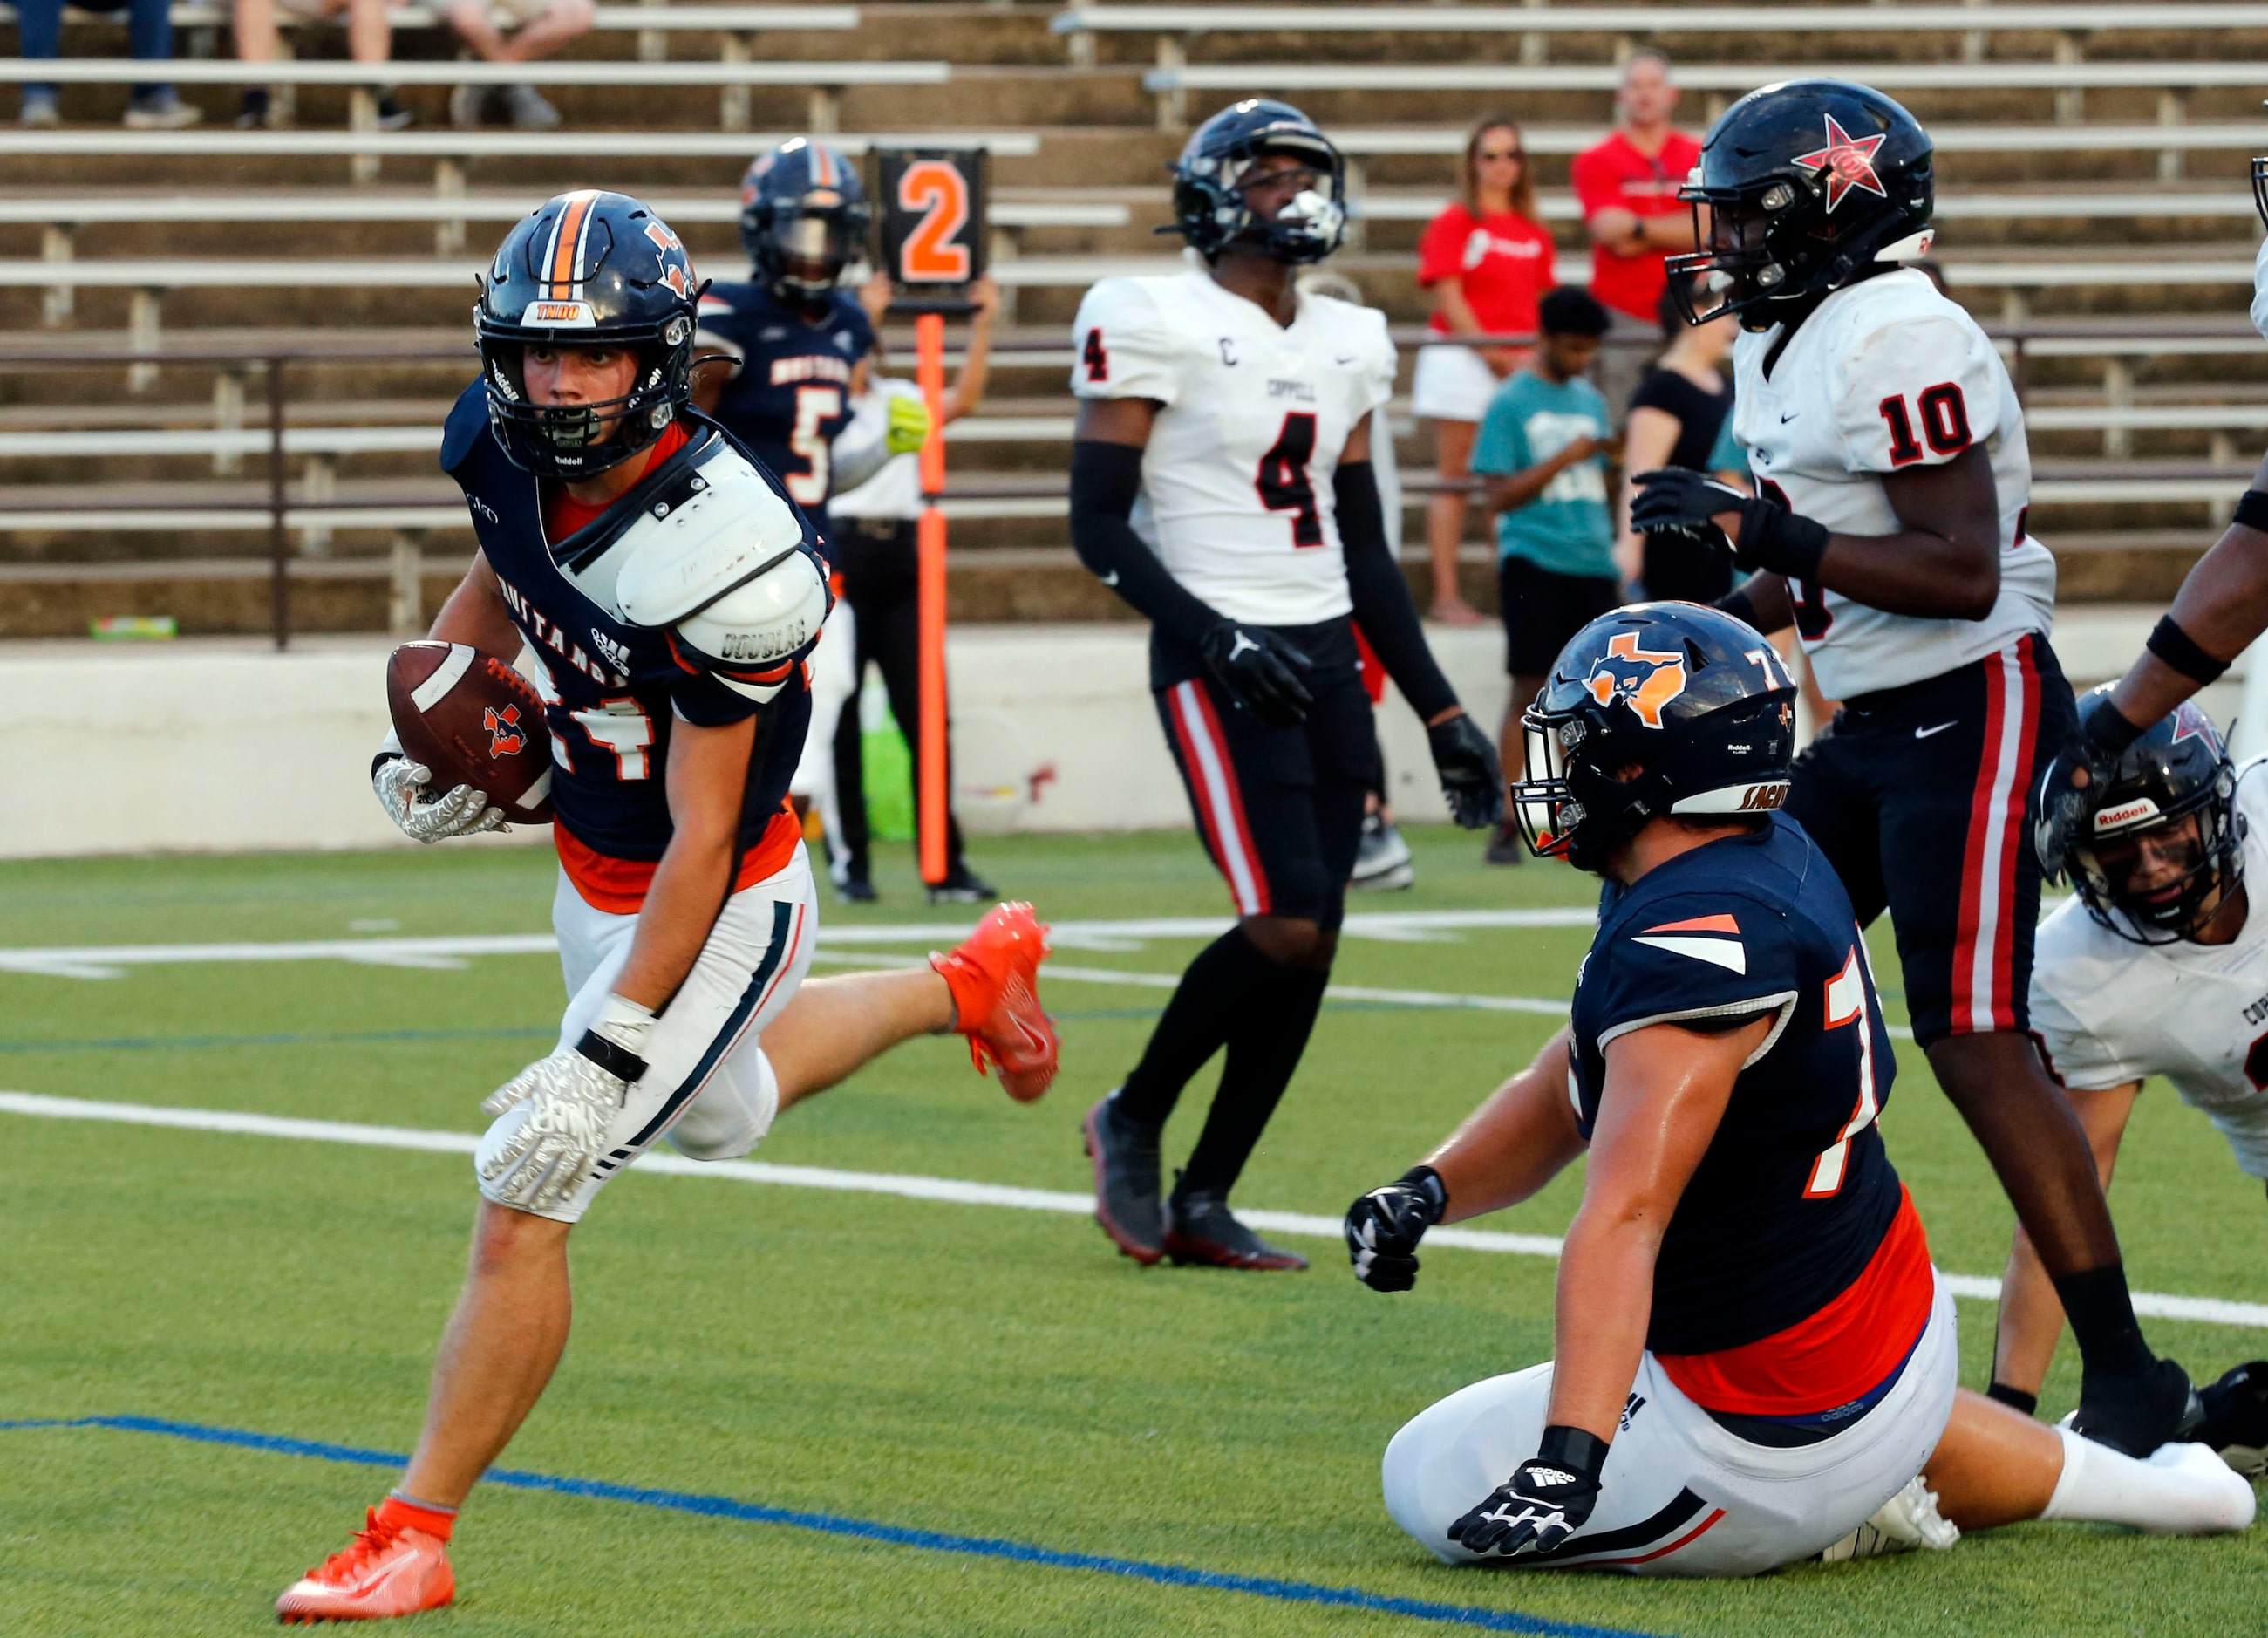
pixel 792 394
pixel 611 690
pixel 1795 1193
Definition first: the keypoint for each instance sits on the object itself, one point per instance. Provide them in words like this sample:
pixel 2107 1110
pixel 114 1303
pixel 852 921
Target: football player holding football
pixel 1888 527
pixel 668 591
pixel 1755 1361
pixel 2156 967
pixel 2221 608
pixel 1221 482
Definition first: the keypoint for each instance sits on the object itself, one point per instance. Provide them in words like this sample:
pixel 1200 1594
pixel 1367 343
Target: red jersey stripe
pixel 618 886
pixel 1835 1355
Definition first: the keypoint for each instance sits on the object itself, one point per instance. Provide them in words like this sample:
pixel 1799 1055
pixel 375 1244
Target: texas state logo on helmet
pixel 2179 767
pixel 1695 701
pixel 1209 206
pixel 1811 183
pixel 803 219
pixel 587 268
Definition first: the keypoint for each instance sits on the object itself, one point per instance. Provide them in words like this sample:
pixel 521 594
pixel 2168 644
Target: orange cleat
pixel 386 1570
pixel 994 976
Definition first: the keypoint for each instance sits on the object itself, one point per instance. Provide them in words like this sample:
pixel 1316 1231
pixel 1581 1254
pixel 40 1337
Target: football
pixel 473 721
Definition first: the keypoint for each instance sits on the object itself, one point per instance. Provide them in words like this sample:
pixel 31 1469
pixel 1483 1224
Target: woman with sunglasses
pixel 1487 260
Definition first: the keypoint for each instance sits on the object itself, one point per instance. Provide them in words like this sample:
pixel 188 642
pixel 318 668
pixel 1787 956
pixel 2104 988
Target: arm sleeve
pixel 1105 479
pixel 1698 960
pixel 1383 608
pixel 1121 345
pixel 1918 393
pixel 859 450
pixel 1441 252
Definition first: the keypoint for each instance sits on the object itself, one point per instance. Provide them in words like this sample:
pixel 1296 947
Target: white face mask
pixel 2260 289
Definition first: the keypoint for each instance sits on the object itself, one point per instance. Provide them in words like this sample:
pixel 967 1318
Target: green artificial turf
pixel 969 1369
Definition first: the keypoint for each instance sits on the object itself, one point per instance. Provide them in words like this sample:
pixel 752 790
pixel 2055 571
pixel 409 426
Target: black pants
pixel 1921 797
pixel 882 583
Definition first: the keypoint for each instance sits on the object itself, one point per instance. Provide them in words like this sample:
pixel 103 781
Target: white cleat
pixel 1909 1522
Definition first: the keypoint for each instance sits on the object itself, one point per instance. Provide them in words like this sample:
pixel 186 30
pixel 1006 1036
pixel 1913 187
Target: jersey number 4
pixel 1282 480
pixel 1846 1005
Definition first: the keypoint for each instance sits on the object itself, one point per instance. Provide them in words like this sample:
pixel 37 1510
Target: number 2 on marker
pixel 931 256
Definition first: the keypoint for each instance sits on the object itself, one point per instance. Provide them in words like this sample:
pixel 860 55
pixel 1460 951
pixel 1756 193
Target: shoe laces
pixel 370 1542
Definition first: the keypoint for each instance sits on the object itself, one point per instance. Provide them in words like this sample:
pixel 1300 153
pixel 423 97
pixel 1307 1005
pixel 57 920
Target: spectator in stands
pixel 370 39
pixel 544 26
pixel 1675 418
pixel 1486 259
pixel 1627 186
pixel 1543 448
pixel 873 547
pixel 149 37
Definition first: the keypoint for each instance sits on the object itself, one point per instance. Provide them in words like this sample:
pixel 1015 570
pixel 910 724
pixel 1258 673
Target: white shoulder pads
pixel 726 569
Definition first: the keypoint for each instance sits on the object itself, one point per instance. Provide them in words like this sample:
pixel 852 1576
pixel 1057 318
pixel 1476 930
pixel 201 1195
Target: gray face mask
pixel 2260 289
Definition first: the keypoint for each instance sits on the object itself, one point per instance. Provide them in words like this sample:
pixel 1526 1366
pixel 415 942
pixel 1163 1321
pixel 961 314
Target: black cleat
pixel 2136 1414
pixel 1201 1229
pixel 1381 860
pixel 856 890
pixel 962 886
pixel 2236 1418
pixel 1505 845
pixel 1126 1187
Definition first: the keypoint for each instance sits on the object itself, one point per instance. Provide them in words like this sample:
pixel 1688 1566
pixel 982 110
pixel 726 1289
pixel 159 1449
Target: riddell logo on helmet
pixel 573 314
pixel 2125 813
pixel 1647 678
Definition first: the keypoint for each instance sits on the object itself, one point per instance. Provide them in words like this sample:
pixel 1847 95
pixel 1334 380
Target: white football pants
pixel 708 1086
pixel 1681 1494
pixel 834 687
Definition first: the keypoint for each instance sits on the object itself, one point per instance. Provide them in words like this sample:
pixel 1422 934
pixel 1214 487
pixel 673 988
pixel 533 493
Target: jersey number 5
pixel 1283 481
pixel 1846 1004
pixel 814 407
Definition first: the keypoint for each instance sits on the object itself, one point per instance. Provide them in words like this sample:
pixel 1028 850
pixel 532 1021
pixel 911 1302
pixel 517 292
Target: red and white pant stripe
pixel 1219 805
pixel 1983 954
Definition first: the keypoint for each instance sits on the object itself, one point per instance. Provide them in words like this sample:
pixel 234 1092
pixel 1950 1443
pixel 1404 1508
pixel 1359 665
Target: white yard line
pixel 2213 1310
pixel 110 961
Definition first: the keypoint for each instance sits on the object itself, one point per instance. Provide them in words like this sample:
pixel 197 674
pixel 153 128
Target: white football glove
pixel 401 785
pixel 573 1097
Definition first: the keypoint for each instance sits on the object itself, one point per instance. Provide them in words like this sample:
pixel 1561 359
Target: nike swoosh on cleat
pixel 1922 733
pixel 1111 578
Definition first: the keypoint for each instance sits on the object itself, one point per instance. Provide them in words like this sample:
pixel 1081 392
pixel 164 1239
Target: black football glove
pixel 1472 778
pixel 1546 1501
pixel 2138 1414
pixel 1383 1229
pixel 1677 500
pixel 1259 670
pixel 2066 807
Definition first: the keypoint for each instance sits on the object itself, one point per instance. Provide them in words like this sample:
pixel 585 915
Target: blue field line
pixel 867 1529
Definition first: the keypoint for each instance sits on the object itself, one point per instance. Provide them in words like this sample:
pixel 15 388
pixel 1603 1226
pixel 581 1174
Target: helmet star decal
pixel 1847 163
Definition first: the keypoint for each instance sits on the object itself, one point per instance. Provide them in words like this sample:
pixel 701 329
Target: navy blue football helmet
pixel 2177 768
pixel 1656 709
pixel 803 219
pixel 1208 204
pixel 1811 184
pixel 586 269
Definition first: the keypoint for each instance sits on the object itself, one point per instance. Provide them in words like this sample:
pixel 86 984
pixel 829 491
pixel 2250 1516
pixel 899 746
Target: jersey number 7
pixel 1846 1005
pixel 1282 480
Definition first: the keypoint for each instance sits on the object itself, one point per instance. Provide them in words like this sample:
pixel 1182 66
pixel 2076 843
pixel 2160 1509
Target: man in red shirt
pixel 1627 186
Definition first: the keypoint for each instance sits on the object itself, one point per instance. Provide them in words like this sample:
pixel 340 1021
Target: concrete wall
pixel 222 744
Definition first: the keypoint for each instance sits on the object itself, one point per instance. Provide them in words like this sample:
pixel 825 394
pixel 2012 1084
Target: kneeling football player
pixel 669 591
pixel 2156 967
pixel 1755 1360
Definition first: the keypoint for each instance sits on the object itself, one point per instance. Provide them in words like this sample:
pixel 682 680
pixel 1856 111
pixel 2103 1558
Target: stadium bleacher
pixel 2092 192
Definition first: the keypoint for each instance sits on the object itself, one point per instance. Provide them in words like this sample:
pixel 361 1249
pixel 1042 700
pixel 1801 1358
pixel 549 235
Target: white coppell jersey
pixel 2109 1011
pixel 1236 482
pixel 1884 375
